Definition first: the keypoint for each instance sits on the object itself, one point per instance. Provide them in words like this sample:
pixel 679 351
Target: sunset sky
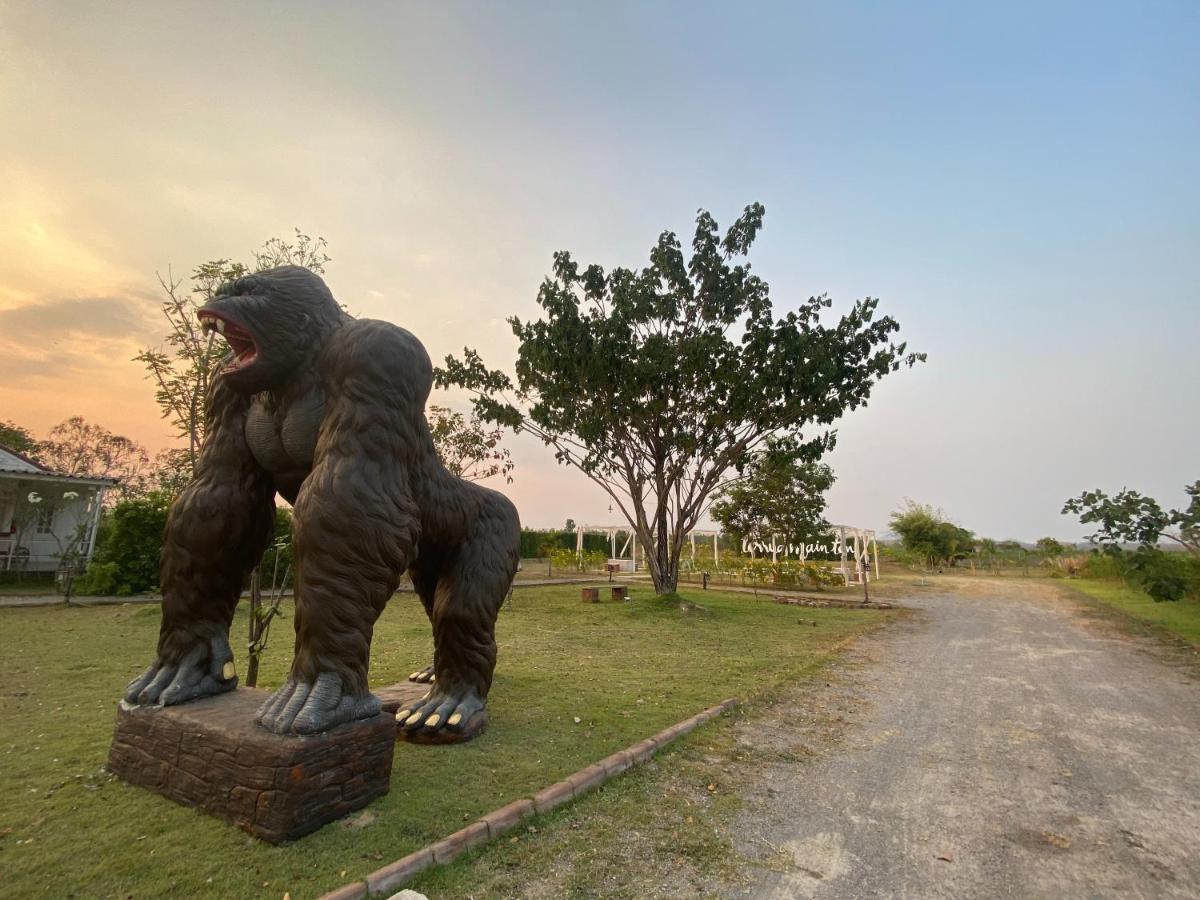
pixel 1017 182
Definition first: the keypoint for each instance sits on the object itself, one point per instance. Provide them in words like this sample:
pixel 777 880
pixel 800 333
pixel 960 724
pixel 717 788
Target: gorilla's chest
pixel 283 436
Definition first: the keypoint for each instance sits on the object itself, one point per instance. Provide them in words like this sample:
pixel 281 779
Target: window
pixel 45 518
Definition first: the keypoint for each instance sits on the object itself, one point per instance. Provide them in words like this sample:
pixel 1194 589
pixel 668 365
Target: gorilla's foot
pixel 204 670
pixel 302 707
pixel 423 676
pixel 443 716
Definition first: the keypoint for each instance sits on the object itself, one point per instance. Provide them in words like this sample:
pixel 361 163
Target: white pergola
pixel 705 532
pixel 860 544
pixel 631 545
pixel 612 531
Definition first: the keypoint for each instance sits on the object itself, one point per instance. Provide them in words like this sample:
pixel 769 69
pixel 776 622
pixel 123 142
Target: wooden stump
pixel 620 593
pixel 590 595
pixel 209 753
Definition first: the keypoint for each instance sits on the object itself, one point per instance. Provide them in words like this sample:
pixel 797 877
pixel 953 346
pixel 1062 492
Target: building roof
pixel 13 463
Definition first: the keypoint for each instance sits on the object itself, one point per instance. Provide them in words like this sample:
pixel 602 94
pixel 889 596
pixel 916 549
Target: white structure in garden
pixel 856 547
pixel 44 516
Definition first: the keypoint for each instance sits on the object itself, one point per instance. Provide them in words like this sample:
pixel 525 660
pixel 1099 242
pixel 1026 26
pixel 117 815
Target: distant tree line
pixel 930 539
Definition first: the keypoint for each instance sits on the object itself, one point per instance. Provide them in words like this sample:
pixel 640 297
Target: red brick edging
pixel 395 875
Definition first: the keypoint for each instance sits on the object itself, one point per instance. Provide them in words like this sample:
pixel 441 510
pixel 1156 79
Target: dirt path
pixel 997 744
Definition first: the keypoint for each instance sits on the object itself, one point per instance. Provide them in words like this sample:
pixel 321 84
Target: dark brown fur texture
pixel 328 411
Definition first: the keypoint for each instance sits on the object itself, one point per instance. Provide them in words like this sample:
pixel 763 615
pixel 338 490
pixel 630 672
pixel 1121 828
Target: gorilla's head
pixel 275 321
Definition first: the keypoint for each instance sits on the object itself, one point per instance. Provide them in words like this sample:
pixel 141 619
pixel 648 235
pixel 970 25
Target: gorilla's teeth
pixel 221 325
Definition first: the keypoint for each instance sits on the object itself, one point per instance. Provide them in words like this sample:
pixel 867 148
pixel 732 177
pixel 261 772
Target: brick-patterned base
pixel 210 754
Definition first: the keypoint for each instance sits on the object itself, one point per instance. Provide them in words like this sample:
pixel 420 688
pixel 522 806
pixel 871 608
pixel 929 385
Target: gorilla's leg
pixel 470 591
pixel 216 532
pixel 355 528
pixel 424 575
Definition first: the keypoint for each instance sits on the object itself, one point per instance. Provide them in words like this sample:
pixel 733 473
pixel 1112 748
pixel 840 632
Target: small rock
pixel 1062 842
pixel 408 894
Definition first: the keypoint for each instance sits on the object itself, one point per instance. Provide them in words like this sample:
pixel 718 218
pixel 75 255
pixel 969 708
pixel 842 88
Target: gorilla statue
pixel 328 411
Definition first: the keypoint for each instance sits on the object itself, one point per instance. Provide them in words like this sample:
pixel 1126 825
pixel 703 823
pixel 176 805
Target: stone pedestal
pixel 210 754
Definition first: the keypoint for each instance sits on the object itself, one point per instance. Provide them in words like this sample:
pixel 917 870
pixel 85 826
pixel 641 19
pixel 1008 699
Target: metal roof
pixel 14 464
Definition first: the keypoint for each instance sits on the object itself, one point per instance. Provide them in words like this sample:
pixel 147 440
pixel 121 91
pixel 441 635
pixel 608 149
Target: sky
pixel 1016 182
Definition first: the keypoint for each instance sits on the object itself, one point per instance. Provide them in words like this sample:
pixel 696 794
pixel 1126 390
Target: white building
pixel 45 516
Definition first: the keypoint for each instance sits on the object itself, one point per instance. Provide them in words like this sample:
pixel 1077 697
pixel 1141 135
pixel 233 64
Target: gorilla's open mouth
pixel 240 341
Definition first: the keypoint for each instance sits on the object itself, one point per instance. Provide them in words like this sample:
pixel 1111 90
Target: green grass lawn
pixel 27 587
pixel 625 670
pixel 1180 617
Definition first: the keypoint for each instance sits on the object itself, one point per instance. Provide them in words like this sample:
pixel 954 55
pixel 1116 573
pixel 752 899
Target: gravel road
pixel 997 744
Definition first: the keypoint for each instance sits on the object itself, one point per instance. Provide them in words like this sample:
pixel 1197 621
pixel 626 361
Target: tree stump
pixel 590 595
pixel 620 593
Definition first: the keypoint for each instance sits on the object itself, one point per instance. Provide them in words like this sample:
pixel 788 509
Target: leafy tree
pixel 1130 517
pixel 660 384
pixel 76 447
pixel 570 526
pixel 777 496
pixel 468 448
pixel 14 437
pixel 1049 548
pixel 928 533
pixel 181 371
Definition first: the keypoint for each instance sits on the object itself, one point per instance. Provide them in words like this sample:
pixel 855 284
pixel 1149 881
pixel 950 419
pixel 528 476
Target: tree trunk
pixel 664 570
pixel 256 627
pixel 665 581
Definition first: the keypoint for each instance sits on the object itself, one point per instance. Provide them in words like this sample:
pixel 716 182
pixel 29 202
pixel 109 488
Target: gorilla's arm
pixel 216 532
pixel 356 523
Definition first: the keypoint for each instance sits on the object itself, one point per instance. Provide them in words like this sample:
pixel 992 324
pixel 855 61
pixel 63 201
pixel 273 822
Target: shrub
pixel 100 578
pixel 1104 566
pixel 1164 576
pixel 593 560
pixel 127 552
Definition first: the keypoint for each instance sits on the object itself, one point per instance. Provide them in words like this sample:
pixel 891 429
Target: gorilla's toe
pixel 423 676
pixel 442 717
pixel 301 707
pixel 207 669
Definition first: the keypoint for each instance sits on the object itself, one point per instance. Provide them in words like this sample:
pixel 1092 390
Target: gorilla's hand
pixel 301 707
pixel 203 670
